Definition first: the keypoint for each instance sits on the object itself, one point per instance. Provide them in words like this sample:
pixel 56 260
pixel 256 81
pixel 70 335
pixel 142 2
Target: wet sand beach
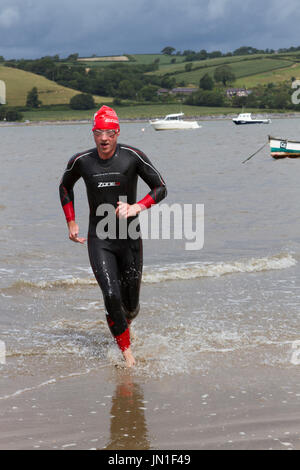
pixel 113 410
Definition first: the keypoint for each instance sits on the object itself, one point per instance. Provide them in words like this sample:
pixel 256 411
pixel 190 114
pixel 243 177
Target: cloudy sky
pixel 35 28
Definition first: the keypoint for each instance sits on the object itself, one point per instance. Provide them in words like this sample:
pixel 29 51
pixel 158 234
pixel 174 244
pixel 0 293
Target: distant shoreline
pixel 212 117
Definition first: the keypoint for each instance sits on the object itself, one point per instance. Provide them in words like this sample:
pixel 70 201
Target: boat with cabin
pixel 246 118
pixel 172 122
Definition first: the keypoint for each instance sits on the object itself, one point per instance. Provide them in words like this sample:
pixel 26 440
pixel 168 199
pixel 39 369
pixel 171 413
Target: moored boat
pixel 246 118
pixel 281 148
pixel 172 122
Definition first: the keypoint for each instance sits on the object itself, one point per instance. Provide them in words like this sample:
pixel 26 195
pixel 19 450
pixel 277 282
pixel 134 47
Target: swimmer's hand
pixel 73 233
pixel 124 210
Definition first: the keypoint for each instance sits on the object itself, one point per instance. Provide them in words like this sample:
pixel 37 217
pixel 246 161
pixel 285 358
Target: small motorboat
pixel 173 121
pixel 281 148
pixel 246 118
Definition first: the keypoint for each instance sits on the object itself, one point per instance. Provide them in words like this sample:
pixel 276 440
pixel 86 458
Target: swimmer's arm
pixel 153 179
pixel 67 201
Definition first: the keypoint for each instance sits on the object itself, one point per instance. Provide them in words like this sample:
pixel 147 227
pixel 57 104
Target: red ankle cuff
pixel 123 340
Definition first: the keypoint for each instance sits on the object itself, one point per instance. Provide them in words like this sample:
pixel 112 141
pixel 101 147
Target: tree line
pixel 191 55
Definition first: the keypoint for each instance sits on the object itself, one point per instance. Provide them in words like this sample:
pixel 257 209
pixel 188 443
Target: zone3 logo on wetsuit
pixel 108 185
pixel 116 263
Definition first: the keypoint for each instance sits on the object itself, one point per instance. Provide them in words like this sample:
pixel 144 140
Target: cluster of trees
pixel 191 55
pixel 10 115
pixel 248 50
pixel 270 96
pixel 211 92
pixel 262 97
pixel 32 100
pixel 82 101
pixel 202 97
pixel 290 49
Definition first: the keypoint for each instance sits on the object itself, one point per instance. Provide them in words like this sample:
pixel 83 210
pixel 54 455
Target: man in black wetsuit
pixel 110 172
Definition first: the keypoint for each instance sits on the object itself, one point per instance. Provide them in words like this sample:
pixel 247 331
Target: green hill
pixel 241 69
pixel 250 70
pixel 139 59
pixel 275 76
pixel 19 83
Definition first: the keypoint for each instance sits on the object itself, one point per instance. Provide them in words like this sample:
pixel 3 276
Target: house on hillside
pixel 177 91
pixel 163 92
pixel 231 92
pixel 183 90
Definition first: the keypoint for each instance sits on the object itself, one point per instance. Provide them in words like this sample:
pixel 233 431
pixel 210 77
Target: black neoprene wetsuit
pixel 117 260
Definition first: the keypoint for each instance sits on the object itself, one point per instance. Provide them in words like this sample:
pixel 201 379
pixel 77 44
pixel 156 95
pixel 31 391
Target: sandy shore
pixel 226 408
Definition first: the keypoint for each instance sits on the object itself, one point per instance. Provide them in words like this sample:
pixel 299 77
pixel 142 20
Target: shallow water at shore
pixel 216 338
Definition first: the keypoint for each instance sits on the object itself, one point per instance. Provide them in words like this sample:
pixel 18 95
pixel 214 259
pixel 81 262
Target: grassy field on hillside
pixel 275 76
pixel 19 83
pixel 138 59
pixel 240 69
pixel 208 63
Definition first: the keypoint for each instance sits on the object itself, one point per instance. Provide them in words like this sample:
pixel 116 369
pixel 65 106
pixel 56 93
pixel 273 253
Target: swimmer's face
pixel 106 141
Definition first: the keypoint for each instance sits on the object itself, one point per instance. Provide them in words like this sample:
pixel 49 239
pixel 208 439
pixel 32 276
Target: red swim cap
pixel 106 118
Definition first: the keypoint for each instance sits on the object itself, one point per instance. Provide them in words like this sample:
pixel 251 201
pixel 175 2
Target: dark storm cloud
pixel 33 28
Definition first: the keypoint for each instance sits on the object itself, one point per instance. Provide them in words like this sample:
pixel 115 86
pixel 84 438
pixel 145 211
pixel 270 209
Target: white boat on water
pixel 246 118
pixel 173 121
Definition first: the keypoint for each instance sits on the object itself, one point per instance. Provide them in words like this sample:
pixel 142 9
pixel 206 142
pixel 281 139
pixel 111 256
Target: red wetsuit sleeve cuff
pixel 147 201
pixel 123 340
pixel 69 211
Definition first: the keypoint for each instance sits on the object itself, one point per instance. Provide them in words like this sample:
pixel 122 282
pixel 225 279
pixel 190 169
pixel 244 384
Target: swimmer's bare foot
pixel 129 359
